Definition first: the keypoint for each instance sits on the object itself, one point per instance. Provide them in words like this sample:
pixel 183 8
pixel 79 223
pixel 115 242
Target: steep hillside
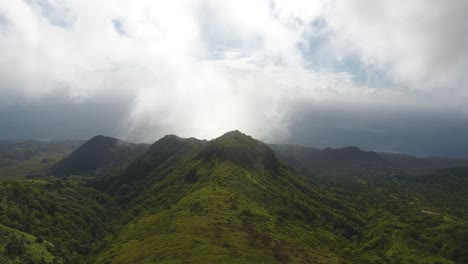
pixel 230 201
pixel 66 219
pixel 164 154
pixel 226 201
pixel 97 153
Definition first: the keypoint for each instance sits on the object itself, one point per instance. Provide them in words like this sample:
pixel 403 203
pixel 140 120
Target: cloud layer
pixel 201 67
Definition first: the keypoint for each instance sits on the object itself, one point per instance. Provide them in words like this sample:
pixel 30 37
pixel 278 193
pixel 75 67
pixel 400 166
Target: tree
pixel 15 247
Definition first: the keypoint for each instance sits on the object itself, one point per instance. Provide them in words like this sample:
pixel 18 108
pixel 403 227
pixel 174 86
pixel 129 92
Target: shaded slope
pixel 167 152
pixel 355 160
pixel 333 163
pixel 412 164
pixel 96 153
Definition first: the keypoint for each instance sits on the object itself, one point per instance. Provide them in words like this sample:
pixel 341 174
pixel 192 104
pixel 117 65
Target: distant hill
pixel 353 158
pixel 25 149
pixel 412 164
pixel 96 153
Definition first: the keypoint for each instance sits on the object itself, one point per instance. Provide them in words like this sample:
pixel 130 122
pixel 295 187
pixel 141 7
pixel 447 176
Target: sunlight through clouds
pixel 204 67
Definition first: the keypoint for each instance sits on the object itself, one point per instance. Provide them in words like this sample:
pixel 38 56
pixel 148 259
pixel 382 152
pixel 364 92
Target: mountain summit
pixel 241 149
pixel 98 152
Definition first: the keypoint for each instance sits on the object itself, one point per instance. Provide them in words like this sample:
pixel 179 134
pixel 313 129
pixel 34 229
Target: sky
pixel 382 75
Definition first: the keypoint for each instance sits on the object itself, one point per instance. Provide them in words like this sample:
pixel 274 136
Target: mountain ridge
pixel 234 200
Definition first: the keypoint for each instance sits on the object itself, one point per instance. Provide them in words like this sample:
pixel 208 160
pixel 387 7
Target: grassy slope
pixel 35 251
pixel 229 215
pixel 199 208
pixel 206 204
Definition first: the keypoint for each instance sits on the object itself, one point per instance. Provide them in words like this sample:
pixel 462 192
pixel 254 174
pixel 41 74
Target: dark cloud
pixel 56 117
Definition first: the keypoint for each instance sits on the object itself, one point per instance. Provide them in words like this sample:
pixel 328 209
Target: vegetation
pixel 28 159
pixel 231 200
pixel 66 218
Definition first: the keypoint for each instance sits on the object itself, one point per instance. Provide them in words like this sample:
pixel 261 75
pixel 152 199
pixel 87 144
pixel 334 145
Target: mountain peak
pixel 242 149
pixel 100 139
pixel 98 152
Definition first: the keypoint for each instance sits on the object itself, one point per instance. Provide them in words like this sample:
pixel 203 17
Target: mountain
pixel 227 200
pixel 234 199
pixel 97 153
pixel 412 164
pixel 230 200
pixel 329 157
pixel 354 160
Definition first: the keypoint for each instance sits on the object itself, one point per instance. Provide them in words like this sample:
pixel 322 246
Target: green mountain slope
pixel 417 218
pixel 225 201
pixel 72 218
pixel 230 200
pixel 20 247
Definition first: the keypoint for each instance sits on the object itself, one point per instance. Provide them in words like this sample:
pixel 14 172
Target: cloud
pixel 420 44
pixel 201 67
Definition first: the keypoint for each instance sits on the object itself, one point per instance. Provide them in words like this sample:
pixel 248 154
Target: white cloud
pixel 203 67
pixel 419 43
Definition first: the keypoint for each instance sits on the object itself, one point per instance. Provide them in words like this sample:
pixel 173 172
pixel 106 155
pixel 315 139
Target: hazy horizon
pixel 383 76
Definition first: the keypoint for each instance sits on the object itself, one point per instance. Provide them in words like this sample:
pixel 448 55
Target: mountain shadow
pixel 98 152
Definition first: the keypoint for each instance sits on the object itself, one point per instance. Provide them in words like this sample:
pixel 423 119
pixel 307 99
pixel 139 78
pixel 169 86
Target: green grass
pixel 37 252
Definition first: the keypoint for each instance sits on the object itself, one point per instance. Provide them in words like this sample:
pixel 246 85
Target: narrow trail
pixel 435 213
